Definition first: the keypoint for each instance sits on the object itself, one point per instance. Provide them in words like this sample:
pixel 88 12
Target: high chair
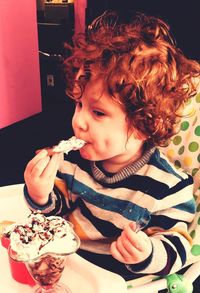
pixel 184 151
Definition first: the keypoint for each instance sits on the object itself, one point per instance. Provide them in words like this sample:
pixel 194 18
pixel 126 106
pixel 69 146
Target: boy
pixel 129 83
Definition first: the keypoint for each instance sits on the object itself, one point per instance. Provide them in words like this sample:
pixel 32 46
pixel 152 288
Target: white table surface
pixel 79 274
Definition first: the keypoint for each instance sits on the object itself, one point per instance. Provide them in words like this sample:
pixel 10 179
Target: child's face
pixel 102 123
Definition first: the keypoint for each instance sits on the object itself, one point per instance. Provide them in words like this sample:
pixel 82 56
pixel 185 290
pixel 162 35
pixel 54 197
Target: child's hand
pixel 131 247
pixel 40 174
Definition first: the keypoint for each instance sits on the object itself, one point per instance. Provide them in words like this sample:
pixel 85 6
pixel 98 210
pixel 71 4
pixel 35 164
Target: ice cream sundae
pixel 43 244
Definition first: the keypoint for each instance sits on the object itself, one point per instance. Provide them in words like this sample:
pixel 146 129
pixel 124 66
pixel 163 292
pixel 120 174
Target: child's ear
pixel 142 136
pixel 139 135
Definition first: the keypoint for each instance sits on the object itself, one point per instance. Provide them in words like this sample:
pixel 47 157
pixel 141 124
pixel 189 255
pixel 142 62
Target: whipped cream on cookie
pixel 65 146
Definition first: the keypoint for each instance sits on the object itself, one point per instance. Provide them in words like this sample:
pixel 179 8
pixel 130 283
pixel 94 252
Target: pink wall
pixel 20 95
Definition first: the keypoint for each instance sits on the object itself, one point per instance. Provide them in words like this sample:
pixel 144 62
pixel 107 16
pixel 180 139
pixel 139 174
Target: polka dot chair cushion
pixel 184 151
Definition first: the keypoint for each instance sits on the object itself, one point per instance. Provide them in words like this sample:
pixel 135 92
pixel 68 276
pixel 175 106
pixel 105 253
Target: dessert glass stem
pixel 58 288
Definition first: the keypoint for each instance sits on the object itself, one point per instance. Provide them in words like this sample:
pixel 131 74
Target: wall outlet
pixel 50 80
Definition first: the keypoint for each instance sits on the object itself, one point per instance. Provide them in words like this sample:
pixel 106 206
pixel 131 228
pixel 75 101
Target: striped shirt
pixel 150 191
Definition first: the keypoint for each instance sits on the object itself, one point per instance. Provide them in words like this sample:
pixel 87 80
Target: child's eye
pixel 98 113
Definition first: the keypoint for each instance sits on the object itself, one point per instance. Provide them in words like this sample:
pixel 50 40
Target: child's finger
pixel 129 251
pixel 39 167
pixel 30 171
pixel 122 249
pixel 133 237
pixel 52 167
pixel 35 160
pixel 115 253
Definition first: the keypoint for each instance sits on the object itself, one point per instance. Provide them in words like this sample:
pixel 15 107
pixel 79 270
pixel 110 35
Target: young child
pixel 128 203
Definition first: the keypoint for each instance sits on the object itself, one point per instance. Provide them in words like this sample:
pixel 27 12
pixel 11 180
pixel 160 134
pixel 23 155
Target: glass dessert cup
pixel 47 268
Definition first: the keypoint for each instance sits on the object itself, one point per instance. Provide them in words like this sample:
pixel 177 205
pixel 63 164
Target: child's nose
pixel 79 121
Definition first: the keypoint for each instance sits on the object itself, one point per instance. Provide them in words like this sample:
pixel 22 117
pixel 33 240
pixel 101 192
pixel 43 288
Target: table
pixel 79 274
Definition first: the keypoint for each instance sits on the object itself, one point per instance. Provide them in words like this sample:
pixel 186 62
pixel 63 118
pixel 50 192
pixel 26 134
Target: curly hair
pixel 142 68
